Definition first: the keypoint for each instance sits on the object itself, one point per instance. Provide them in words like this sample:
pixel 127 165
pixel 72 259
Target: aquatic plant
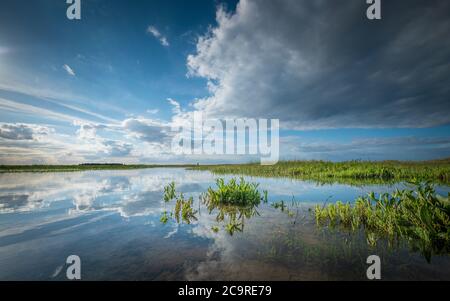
pixel 169 192
pixel 279 205
pixel 232 215
pixel 420 217
pixel 239 193
pixel 183 210
pixel 164 218
pixel 234 226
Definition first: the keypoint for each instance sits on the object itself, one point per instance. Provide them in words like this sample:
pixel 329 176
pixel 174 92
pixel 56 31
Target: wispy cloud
pixel 153 111
pixel 69 70
pixel 155 32
pixel 27 109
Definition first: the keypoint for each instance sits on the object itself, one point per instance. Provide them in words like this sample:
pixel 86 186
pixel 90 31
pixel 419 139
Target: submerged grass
pixel 357 172
pixel 420 217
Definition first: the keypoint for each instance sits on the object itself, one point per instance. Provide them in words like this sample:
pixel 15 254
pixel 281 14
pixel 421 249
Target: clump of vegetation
pixel 169 192
pixel 164 218
pixel 353 172
pixel 239 193
pixel 420 217
pixel 234 202
pixel 232 215
pixel 183 210
pixel 279 205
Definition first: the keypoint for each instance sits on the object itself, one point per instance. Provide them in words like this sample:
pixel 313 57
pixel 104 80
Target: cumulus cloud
pixel 322 64
pixel 88 130
pixel 117 148
pixel 19 131
pixel 69 70
pixel 146 129
pixel 155 32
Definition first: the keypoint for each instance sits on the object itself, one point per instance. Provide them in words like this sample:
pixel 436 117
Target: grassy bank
pixel 358 172
pixel 81 167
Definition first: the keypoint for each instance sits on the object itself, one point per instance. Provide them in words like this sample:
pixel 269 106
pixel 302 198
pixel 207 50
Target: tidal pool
pixel 111 220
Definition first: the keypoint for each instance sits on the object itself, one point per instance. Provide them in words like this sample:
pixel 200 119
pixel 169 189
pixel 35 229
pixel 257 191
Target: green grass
pixel 81 167
pixel 240 193
pixel 182 211
pixel 419 216
pixel 353 172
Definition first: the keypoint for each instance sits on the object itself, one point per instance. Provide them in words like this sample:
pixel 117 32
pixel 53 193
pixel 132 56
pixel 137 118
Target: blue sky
pixel 107 88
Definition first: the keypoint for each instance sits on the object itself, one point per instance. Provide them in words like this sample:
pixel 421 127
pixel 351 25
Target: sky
pixel 109 87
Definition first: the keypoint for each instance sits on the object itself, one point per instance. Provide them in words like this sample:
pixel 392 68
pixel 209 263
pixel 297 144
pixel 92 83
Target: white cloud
pixel 69 70
pixel 147 130
pixel 155 32
pixel 20 131
pixel 153 111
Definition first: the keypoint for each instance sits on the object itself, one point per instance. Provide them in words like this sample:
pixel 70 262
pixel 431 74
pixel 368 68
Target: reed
pixel 418 216
pixel 357 172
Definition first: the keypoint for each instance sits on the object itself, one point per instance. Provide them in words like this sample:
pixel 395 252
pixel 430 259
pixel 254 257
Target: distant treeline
pixel 81 167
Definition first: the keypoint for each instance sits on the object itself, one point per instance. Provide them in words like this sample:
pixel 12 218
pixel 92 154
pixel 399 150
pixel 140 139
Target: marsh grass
pixel 240 193
pixel 235 202
pixel 183 210
pixel 419 216
pixel 351 172
pixel 169 192
pixel 232 216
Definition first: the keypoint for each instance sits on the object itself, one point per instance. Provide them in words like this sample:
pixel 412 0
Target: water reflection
pixel 111 219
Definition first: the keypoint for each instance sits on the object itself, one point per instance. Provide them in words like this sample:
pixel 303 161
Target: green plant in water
pixel 183 210
pixel 420 217
pixel 234 203
pixel 215 229
pixel 169 192
pixel 266 196
pixel 279 205
pixel 235 193
pixel 234 226
pixel 164 218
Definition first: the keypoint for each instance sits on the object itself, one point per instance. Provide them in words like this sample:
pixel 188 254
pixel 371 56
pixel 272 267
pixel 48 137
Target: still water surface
pixel 111 219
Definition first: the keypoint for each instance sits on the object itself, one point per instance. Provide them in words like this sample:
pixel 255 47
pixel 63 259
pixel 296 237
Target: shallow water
pixel 111 220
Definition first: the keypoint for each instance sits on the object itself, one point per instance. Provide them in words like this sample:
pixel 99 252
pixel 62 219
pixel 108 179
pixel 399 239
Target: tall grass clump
pixel 183 210
pixel 240 193
pixel 420 217
pixel 235 202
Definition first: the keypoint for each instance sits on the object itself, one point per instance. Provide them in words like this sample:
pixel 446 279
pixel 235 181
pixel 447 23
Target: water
pixel 111 220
